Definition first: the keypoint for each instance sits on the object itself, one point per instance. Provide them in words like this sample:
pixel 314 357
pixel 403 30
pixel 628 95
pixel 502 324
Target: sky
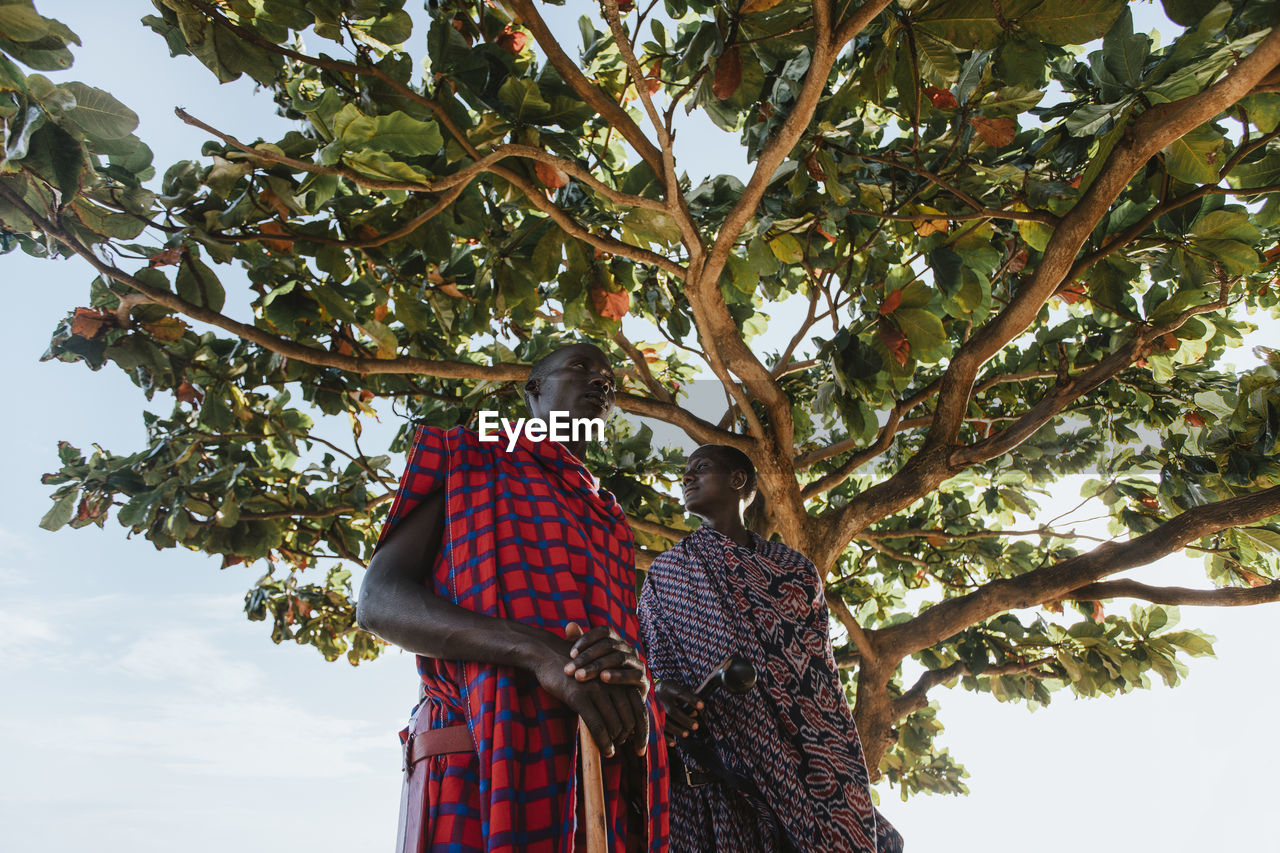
pixel 142 712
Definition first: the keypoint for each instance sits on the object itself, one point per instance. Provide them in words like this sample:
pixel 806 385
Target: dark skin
pixel 715 492
pixel 597 674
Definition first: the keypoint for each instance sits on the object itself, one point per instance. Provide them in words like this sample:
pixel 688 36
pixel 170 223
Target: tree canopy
pixel 1020 261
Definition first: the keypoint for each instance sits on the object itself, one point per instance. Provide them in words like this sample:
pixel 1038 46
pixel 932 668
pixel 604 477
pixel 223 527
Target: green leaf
pixel 1196 157
pixel 393 29
pixel 59 515
pixel 97 114
pixel 397 132
pixel 1226 225
pixel 22 23
pixel 924 332
pixel 964 23
pixel 524 99
pixel 378 164
pixel 787 248
pixel 199 285
pixel 1188 12
pixel 1075 22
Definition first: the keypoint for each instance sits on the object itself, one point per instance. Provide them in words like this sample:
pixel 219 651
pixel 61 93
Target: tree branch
pixel 674 534
pixel 600 101
pixel 1061 580
pixel 1225 597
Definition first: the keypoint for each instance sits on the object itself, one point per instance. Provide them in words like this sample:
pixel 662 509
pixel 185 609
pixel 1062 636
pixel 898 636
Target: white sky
pixel 142 712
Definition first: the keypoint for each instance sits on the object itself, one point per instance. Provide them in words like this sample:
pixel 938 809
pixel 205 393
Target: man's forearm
pixel 416 619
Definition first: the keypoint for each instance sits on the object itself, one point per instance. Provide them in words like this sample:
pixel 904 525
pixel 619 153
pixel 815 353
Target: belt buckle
pixel 688 777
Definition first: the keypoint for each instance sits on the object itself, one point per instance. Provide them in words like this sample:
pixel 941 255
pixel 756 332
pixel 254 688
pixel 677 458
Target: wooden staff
pixel 596 817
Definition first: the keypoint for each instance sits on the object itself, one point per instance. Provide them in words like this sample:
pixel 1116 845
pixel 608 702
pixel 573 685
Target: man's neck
pixel 731 525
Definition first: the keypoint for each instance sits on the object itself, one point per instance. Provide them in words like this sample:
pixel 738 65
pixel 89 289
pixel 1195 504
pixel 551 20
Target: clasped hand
pixel 605 683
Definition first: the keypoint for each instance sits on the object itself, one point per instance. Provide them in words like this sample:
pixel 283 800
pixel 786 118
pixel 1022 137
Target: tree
pixel 1019 288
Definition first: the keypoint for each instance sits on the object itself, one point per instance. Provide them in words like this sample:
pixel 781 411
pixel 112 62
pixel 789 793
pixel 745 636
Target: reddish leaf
pixel 996 132
pixel 380 312
pixel 550 175
pixel 728 74
pixel 1019 261
pixel 450 289
pixel 1052 606
pixel 168 257
pixel 895 342
pixel 941 98
pixel 512 40
pixel 1150 502
pixel 814 168
pixel 276 229
pixel 654 78
pixel 90 322
pixel 462 25
pixel 1272 253
pixel 1252 579
pixel 269 197
pixel 89 510
pixel 1074 183
pixel 612 306
pixel 188 393
pixel 1071 295
pixel 891 303
pixel 625 6
pixel 1170 341
pixel 829 239
pixel 1097 614
pixel 1194 419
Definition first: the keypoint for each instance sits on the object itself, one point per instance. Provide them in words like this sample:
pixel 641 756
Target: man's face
pixel 580 382
pixel 709 485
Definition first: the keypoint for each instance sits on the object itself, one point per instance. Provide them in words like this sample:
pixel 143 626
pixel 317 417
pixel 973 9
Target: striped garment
pixel 529 536
pixel 793 735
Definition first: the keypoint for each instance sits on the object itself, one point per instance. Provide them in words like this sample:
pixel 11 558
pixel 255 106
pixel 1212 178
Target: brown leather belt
pixel 431 742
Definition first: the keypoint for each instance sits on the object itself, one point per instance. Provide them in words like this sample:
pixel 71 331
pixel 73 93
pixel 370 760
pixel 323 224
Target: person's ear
pixel 533 387
pixel 738 480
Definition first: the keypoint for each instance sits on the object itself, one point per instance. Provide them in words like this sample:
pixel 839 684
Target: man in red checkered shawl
pixel 491 566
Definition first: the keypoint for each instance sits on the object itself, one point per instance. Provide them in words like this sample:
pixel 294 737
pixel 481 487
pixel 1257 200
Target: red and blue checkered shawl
pixel 530 537
pixel 793 735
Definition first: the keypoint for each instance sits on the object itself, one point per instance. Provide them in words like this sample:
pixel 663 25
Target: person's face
pixel 709 485
pixel 580 382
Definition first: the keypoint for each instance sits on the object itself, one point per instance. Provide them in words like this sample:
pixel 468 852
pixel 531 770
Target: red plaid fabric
pixel 529 536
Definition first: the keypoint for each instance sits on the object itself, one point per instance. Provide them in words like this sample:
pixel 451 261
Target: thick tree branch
pixel 1226 597
pixel 1067 390
pixel 1053 583
pixel 673 534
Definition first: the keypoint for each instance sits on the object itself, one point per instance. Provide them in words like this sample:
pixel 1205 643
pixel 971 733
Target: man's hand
pixel 614 713
pixel 682 706
pixel 601 652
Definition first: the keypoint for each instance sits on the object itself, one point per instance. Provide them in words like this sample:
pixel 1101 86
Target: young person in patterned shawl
pixel 488 564
pixel 779 768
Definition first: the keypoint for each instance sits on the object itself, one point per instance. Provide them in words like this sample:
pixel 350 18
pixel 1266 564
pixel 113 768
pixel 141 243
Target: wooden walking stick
pixel 595 816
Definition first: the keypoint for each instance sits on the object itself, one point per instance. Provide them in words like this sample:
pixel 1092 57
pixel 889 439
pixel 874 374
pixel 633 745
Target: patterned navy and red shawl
pixel 529 536
pixel 793 735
